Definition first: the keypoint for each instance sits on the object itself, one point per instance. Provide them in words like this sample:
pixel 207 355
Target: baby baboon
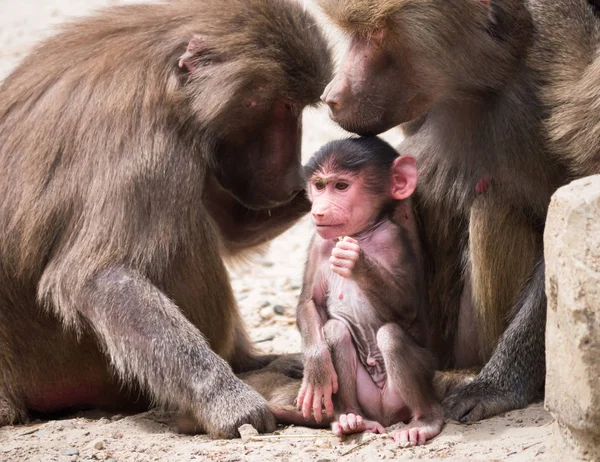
pixel 363 306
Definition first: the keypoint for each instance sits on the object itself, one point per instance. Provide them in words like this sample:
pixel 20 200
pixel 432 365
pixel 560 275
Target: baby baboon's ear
pixel 404 177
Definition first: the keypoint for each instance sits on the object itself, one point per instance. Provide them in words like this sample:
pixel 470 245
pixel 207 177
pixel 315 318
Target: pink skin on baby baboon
pixel 363 302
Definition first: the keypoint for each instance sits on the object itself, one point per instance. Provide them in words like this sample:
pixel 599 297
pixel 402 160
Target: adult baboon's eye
pixel 341 185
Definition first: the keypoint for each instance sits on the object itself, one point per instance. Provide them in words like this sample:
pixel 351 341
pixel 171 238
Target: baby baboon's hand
pixel 319 383
pixel 344 256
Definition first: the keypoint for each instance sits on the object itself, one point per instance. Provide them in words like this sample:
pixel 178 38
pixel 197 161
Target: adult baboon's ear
pixel 501 15
pixel 404 177
pixel 198 53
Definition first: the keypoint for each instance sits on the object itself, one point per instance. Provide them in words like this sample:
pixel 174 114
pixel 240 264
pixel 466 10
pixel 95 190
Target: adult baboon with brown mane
pixel 118 136
pixel 499 101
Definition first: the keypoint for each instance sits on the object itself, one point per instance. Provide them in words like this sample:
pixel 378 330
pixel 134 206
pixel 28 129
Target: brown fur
pixel 445 236
pixel 114 224
pixel 361 16
pixel 506 88
pixel 502 250
pixel 445 382
pixel 573 76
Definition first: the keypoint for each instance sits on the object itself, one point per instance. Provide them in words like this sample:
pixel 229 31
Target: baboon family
pixel 144 145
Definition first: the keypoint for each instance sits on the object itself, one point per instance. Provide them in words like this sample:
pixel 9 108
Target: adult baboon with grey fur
pixel 138 147
pixel 499 101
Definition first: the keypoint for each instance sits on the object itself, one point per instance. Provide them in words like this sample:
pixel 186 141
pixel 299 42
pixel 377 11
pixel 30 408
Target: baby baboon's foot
pixel 418 431
pixel 350 423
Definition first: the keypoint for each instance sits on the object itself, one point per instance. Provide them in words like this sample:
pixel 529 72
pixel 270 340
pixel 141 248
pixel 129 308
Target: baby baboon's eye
pixel 319 185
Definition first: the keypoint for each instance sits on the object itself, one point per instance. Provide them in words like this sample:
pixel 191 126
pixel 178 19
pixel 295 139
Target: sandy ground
pixel 267 290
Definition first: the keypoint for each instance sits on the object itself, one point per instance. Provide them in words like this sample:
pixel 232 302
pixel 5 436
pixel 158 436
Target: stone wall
pixel 572 251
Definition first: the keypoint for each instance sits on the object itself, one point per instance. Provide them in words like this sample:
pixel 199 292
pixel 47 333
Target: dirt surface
pixel 267 289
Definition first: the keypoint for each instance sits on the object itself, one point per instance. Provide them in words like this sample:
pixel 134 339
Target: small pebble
pixel 70 452
pixel 266 313
pixel 278 309
pixel 40 434
pixel 99 445
pixel 111 460
pixel 116 417
pixel 247 431
pixel 265 304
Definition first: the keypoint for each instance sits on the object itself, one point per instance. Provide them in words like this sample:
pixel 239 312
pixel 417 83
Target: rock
pixel 572 252
pixel 70 452
pixel 116 417
pixel 247 431
pixel 266 313
pixel 111 460
pixel 278 309
pixel 99 445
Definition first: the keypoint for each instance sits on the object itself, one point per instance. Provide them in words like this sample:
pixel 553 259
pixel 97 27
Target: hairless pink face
pixel 341 205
